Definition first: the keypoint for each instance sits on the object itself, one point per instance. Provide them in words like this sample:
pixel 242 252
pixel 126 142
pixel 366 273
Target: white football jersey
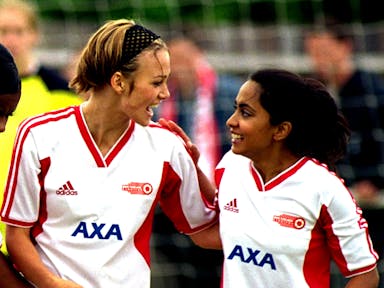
pixel 285 232
pixel 91 216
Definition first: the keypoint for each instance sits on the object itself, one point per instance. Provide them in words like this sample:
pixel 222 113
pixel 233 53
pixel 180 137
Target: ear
pixel 348 46
pixel 117 82
pixel 283 130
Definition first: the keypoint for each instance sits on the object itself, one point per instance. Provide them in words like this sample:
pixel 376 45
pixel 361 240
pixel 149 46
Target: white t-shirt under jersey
pixel 284 233
pixel 91 216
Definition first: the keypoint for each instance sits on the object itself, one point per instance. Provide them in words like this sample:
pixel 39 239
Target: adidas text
pixel 66 192
pixel 232 209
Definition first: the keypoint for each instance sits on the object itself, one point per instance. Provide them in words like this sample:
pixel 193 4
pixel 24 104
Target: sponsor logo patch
pixel 138 188
pixel 289 221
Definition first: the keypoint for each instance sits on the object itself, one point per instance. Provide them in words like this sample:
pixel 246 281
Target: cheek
pixel 259 133
pixel 3 122
pixel 138 97
pixel 145 94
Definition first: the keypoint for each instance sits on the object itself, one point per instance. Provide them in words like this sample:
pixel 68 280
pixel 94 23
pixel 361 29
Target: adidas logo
pixel 66 189
pixel 232 206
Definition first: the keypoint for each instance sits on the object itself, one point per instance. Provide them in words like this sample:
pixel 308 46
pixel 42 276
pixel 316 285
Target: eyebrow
pixel 241 105
pixel 162 76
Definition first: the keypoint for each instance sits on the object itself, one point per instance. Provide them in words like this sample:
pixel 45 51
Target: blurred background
pixel 238 36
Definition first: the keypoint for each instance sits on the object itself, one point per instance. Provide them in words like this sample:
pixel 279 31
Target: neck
pixel 26 64
pixel 342 73
pixel 105 126
pixel 273 166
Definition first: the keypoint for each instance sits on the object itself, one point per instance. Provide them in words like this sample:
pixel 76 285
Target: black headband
pixel 136 39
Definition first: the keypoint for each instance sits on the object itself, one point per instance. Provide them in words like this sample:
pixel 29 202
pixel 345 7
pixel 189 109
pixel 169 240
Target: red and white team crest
pixel 289 221
pixel 138 188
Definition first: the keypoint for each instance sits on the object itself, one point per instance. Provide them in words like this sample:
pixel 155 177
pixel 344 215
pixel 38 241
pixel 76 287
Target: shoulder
pixel 322 171
pixel 155 127
pixel 370 79
pixel 163 134
pixel 164 142
pixel 231 159
pixel 326 182
pixel 52 78
pixel 54 116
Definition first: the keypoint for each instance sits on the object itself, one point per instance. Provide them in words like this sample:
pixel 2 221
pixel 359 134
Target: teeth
pixel 236 136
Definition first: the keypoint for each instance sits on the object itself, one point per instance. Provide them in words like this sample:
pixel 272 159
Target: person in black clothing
pixel 360 96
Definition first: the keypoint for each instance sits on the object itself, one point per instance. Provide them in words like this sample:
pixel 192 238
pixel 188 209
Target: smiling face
pixel 149 86
pixel 8 103
pixel 251 131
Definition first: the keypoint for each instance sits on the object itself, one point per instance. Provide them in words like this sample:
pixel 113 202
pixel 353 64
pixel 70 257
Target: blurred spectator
pixel 19 32
pixel 69 70
pixel 360 96
pixel 201 101
pixel 43 88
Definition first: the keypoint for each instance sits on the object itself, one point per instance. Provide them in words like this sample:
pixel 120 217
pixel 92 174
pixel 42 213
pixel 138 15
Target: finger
pixel 176 128
pixel 164 123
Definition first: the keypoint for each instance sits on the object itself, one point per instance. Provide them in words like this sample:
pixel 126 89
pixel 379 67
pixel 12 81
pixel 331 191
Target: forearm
pixel 206 186
pixel 9 277
pixel 26 258
pixel 366 280
pixel 208 238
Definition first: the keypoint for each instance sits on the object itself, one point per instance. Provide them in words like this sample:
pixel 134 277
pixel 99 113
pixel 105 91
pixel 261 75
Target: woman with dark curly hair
pixel 284 212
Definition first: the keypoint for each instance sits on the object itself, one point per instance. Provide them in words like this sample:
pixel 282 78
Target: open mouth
pixel 236 137
pixel 150 109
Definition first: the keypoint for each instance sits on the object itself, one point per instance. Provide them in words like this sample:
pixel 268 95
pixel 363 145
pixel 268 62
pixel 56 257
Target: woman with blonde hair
pixel 85 180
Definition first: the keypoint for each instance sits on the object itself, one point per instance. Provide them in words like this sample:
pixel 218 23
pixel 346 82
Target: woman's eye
pixel 242 112
pixel 245 113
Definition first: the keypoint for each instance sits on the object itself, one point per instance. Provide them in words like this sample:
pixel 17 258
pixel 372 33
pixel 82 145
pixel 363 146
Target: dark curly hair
pixel 319 130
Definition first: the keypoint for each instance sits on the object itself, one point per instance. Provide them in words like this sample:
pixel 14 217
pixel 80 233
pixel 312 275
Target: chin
pixel 238 151
pixel 234 150
pixel 143 122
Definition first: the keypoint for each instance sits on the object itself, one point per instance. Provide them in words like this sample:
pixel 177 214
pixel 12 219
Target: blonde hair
pixel 102 56
pixel 27 8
